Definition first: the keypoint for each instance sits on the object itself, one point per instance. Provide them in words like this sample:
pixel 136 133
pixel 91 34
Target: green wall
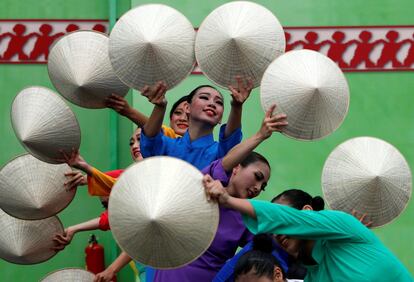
pixel 381 106
pixel 95 134
pixel 381 103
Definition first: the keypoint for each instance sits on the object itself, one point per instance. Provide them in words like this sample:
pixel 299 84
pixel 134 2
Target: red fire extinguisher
pixel 95 262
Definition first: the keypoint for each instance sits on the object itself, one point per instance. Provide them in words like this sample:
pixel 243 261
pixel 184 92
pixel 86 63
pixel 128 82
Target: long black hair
pixel 255 157
pixel 298 199
pixel 259 259
pixel 177 103
pixel 194 91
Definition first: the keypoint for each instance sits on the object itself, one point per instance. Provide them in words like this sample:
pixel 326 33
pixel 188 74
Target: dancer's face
pixel 250 180
pixel 134 145
pixel 179 118
pixel 291 245
pixel 207 106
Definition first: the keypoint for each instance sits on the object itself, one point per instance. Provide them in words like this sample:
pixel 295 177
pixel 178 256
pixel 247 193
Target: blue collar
pixel 204 141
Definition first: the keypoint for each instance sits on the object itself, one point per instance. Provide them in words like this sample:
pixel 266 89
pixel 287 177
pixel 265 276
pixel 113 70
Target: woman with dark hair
pixel 258 264
pixel 297 199
pixel 178 115
pixel 205 111
pixel 244 173
pixel 333 245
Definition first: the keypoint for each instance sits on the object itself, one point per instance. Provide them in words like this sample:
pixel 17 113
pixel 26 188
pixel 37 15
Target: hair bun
pixel 263 242
pixel 318 203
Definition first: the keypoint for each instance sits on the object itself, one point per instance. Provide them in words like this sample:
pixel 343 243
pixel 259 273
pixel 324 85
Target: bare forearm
pixel 136 117
pixel 241 205
pixel 122 260
pixel 153 126
pixel 84 226
pixel 234 120
pixel 241 151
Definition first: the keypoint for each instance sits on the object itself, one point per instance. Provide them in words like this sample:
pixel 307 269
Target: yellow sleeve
pixel 169 132
pixel 100 184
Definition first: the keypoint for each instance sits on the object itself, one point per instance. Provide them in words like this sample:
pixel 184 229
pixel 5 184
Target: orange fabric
pixel 169 132
pixel 100 184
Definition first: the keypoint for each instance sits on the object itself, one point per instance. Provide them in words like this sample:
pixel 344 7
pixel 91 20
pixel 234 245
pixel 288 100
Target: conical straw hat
pixel 27 241
pixel 69 275
pixel 311 89
pixel 32 189
pixel 238 39
pixel 80 69
pixel 44 124
pixel 159 213
pixel 369 175
pixel 151 43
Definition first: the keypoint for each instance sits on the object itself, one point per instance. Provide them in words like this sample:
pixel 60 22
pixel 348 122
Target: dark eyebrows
pixel 206 93
pixel 259 175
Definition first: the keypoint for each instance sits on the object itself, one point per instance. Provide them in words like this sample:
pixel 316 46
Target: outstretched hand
pixel 272 123
pixel 118 104
pixel 361 218
pixel 241 92
pixel 74 159
pixel 62 240
pixel 105 276
pixel 215 190
pixel 156 93
pixel 74 179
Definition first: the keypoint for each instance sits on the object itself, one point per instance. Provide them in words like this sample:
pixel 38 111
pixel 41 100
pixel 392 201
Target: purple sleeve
pixel 217 172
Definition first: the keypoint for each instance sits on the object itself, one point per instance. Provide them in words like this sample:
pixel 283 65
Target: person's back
pixel 352 252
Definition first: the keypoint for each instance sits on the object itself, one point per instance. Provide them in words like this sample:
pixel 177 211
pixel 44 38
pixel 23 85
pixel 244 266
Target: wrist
pixel 127 112
pixel 71 230
pixel 161 105
pixel 235 104
pixel 113 269
pixel 259 136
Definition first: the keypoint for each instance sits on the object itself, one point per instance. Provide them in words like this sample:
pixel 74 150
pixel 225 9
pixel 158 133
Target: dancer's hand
pixel 361 217
pixel 118 104
pixel 241 92
pixel 74 159
pixel 215 190
pixel 105 276
pixel 62 240
pixel 272 123
pixel 156 93
pixel 74 179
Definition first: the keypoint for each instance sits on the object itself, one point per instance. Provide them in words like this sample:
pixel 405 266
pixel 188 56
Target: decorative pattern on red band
pixel 353 48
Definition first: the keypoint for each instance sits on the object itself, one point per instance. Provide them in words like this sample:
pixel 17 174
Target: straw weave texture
pixel 32 189
pixel 27 241
pixel 80 69
pixel 159 213
pixel 151 43
pixel 311 89
pixel 44 124
pixel 69 275
pixel 369 175
pixel 238 39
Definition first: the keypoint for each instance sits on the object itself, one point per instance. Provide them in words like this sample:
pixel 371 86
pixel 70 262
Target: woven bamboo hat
pixel 159 213
pixel 80 69
pixel 151 43
pixel 32 189
pixel 239 38
pixel 311 89
pixel 44 124
pixel 69 275
pixel 369 175
pixel 27 241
